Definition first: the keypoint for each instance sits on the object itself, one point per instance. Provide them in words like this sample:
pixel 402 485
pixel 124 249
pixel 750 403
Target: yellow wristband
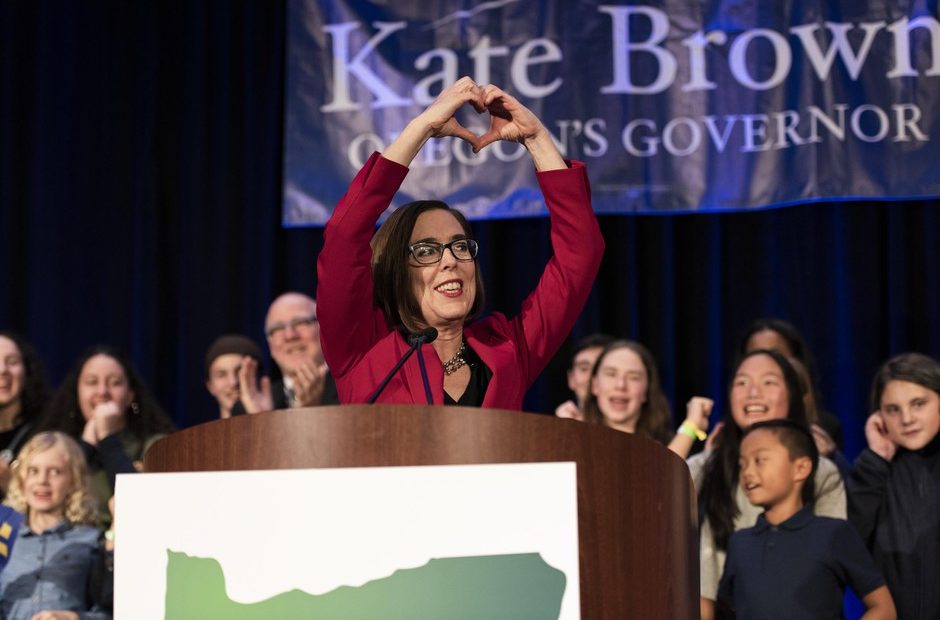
pixel 693 432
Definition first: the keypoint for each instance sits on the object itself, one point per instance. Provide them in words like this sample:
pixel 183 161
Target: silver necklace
pixel 453 364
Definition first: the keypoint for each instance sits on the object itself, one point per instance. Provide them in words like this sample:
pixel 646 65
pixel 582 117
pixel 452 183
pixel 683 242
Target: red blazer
pixel 359 347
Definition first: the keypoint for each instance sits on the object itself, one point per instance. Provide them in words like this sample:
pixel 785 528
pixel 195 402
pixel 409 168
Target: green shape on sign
pixel 517 587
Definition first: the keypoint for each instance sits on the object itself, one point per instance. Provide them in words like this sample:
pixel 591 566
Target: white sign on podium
pixel 456 541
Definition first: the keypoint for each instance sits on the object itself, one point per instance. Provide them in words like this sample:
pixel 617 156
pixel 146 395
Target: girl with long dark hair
pixel 763 386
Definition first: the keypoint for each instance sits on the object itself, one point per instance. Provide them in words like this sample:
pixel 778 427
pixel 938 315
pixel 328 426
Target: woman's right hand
pixel 877 435
pixel 438 121
pixel 439 116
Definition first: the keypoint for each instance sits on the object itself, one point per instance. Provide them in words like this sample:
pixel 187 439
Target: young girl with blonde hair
pixel 56 569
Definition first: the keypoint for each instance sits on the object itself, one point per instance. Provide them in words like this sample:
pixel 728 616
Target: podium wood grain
pixel 636 509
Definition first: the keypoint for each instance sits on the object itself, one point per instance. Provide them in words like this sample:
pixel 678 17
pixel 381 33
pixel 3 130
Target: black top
pixel 896 507
pixel 110 456
pixel 798 569
pixel 14 438
pixel 480 377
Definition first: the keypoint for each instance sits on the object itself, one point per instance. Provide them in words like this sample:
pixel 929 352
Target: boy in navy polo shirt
pixel 793 564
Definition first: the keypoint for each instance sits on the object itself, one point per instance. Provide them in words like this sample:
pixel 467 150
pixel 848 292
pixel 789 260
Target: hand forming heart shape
pixel 509 119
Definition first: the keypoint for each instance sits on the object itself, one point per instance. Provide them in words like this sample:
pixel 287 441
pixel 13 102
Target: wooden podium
pixel 636 509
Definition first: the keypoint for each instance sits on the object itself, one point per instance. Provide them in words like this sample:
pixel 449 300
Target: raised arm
pixel 437 121
pixel 550 311
pixel 694 427
pixel 349 323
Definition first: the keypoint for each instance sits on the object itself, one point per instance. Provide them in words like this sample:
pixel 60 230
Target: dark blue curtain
pixel 140 168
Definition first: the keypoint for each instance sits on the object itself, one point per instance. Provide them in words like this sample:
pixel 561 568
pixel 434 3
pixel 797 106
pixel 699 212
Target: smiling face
pixel 293 332
pixel 47 481
pixel 445 291
pixel 620 386
pixel 758 391
pixel 223 380
pixel 911 413
pixel 102 379
pixel 768 474
pixel 12 375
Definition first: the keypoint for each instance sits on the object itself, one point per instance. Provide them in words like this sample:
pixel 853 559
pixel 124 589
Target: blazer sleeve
pixel 349 323
pixel 549 312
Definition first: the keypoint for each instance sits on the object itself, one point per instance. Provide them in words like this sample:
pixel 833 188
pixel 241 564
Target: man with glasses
pixel 293 335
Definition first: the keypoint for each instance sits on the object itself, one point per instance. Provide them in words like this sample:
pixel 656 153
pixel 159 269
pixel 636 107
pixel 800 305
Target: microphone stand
pixel 415 340
pixel 424 377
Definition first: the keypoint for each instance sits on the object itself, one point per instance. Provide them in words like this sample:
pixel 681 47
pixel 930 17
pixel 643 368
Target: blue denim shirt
pixel 51 571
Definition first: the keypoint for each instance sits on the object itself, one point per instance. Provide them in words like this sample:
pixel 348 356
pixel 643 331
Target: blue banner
pixel 674 106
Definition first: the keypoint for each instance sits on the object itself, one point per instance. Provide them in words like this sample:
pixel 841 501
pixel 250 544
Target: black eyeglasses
pixel 276 330
pixel 428 252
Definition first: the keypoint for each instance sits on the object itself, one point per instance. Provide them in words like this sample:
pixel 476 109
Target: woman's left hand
pixel 440 114
pixel 509 119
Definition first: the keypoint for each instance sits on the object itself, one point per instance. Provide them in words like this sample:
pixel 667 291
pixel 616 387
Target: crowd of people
pixel 776 506
pixel 786 522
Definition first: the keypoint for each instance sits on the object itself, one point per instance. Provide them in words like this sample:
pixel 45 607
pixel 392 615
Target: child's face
pixel 911 414
pixel 47 481
pixel 768 474
pixel 758 391
pixel 621 386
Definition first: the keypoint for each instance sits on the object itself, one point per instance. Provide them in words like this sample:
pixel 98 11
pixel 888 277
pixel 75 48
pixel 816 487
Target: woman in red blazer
pixel 419 271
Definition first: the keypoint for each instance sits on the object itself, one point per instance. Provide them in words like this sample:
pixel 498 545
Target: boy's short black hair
pixel 799 443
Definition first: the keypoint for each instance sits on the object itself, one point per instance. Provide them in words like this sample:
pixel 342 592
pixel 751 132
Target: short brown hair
pixel 391 281
pixel 911 367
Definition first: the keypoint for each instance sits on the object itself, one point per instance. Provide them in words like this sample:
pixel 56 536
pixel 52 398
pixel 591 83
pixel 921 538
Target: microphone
pixel 429 334
pixel 425 336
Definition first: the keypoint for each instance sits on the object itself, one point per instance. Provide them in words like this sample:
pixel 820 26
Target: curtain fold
pixel 140 171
